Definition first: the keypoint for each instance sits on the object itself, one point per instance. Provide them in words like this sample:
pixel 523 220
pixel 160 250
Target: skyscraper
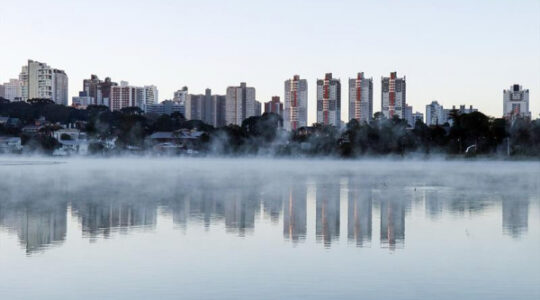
pixel 361 98
pixel 208 108
pixel 296 95
pixel 436 114
pixel 274 106
pixel 329 101
pixel 181 95
pixel 123 96
pixel 218 102
pixel 516 102
pixel 239 104
pixel 41 81
pixel 393 96
pixel 99 90
pixel 13 90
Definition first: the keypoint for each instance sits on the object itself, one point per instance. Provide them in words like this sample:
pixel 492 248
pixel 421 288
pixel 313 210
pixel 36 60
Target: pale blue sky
pixel 458 52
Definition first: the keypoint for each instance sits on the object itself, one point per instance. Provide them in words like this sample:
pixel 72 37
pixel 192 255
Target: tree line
pixel 471 134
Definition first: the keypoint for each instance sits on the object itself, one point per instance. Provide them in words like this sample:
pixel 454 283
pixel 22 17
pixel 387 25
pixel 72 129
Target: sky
pixel 455 52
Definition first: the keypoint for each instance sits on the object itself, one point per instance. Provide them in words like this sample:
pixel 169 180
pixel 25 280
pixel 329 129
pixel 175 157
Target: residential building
pixel 274 106
pixel 13 90
pixel 148 95
pixel 2 90
pixel 123 96
pixel 296 101
pixel 393 96
pixel 436 114
pixel 361 98
pixel 417 116
pixel 219 107
pixel 181 95
pixel 408 115
pixel 82 101
pixel 98 89
pixel 60 87
pixel 464 110
pixel 239 104
pixel 329 101
pixel 516 102
pixel 166 107
pixel 41 81
pixel 258 108
pixel 208 108
pixel 128 96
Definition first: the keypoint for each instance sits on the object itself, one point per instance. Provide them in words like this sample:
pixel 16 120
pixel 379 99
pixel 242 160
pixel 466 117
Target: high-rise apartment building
pixel 417 116
pixel 11 90
pixel 123 96
pixel 208 108
pixel 516 102
pixel 295 106
pixel 393 96
pixel 329 101
pixel 239 104
pixel 218 102
pixel 274 106
pixel 98 90
pixel 166 107
pixel 436 114
pixel 132 96
pixel 181 95
pixel 361 98
pixel 41 81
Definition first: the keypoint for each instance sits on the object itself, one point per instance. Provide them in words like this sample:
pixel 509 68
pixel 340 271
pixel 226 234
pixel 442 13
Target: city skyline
pixel 447 62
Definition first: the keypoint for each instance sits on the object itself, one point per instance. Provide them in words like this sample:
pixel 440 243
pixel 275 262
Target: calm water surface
pixel 268 229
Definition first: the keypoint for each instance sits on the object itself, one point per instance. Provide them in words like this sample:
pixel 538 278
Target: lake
pixel 196 228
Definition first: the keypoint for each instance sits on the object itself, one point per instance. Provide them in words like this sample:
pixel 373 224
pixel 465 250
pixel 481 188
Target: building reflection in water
pixel 240 211
pixel 295 213
pixel 392 208
pixel 327 211
pixel 37 225
pixel 39 215
pixel 101 218
pixel 359 214
pixel 433 203
pixel 515 216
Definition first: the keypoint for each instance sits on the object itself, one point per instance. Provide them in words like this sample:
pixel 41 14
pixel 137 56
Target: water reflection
pixel 359 216
pixel 295 213
pixel 515 216
pixel 36 225
pixel 38 215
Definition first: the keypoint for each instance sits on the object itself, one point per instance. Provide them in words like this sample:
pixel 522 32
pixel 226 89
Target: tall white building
pixel 13 90
pixel 393 96
pixel 436 114
pixel 239 104
pixel 361 98
pixel 516 102
pixel 329 101
pixel 181 95
pixel 296 101
pixel 41 81
pixel 124 95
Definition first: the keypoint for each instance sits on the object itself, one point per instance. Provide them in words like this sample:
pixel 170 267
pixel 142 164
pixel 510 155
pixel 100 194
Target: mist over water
pixel 269 229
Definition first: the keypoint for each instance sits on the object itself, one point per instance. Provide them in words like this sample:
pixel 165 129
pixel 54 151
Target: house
pixel 9 144
pixel 72 141
pixel 183 140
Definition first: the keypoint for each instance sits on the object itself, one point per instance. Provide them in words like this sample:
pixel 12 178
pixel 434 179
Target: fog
pixel 250 228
